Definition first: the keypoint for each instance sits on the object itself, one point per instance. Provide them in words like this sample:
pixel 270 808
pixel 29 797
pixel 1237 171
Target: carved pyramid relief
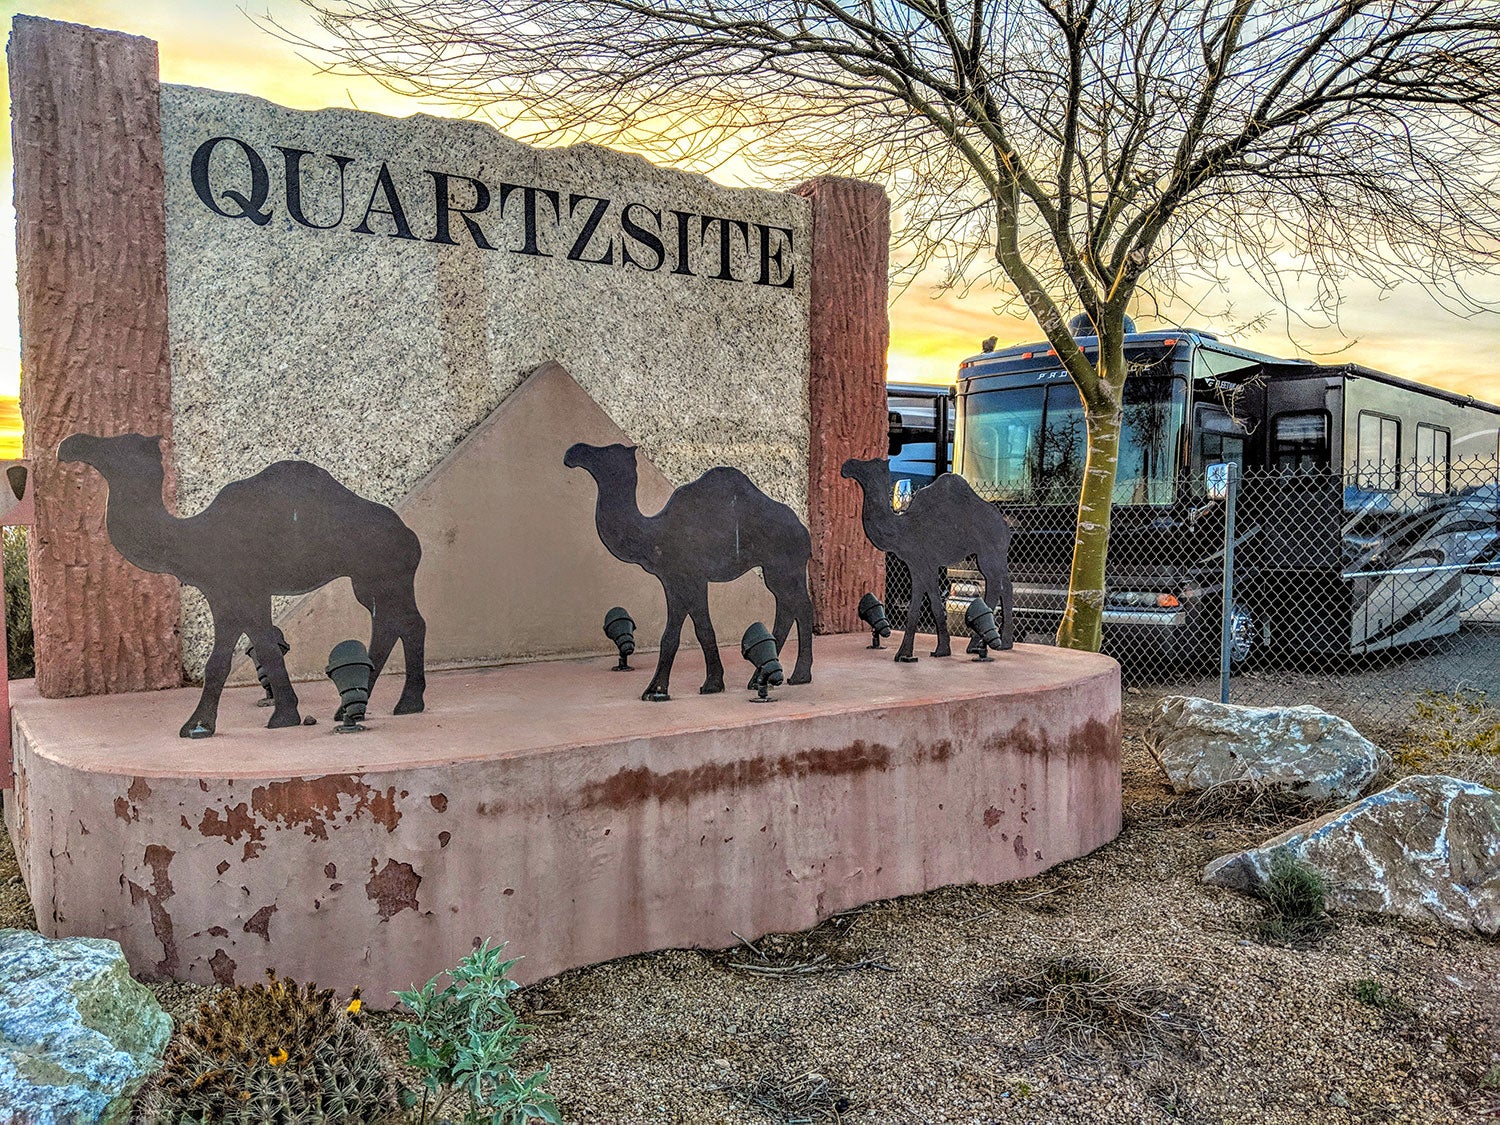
pixel 512 566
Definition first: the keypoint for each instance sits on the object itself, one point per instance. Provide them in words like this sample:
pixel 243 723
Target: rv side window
pixel 1377 453
pixel 1432 459
pixel 1299 441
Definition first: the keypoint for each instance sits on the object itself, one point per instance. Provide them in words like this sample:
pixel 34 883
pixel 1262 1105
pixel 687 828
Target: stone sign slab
pixel 362 291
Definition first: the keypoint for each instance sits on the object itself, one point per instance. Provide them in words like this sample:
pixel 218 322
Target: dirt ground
pixel 906 1011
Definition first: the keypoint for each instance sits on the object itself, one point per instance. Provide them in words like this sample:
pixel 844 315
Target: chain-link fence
pixel 1357 592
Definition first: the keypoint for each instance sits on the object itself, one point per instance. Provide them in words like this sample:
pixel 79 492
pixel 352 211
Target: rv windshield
pixel 1027 444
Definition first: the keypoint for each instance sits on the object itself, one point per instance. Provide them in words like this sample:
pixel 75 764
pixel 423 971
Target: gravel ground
pixel 916 1031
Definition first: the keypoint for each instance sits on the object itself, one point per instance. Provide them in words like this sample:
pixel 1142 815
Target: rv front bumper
pixel 1039 609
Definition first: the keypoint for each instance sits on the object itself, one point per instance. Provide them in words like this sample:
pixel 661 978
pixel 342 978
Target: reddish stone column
pixel 91 269
pixel 851 234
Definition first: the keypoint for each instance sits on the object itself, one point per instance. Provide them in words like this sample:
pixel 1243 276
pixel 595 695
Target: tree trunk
pixel 1083 617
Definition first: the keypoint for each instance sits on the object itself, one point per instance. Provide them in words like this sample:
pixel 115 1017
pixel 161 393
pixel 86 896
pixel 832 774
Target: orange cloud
pixel 10 428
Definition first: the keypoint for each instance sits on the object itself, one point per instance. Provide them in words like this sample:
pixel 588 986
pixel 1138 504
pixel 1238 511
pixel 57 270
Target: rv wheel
pixel 1242 631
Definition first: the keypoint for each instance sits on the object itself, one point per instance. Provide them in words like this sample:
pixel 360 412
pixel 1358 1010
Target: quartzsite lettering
pixel 549 220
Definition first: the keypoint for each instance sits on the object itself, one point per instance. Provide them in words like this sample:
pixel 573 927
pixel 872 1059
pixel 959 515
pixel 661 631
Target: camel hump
pixel 951 487
pixel 289 479
pixel 951 492
pixel 725 484
pixel 289 487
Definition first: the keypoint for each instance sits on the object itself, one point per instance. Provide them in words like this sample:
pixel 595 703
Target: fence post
pixel 1226 620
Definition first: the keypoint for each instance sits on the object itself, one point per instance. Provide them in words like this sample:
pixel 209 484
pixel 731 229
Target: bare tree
pixel 1087 153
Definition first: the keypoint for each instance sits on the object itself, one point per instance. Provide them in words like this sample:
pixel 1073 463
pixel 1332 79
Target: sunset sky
pixel 214 43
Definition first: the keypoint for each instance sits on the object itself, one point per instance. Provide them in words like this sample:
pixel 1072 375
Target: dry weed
pixel 829 947
pixel 1080 1002
pixel 1455 733
pixel 803 1100
pixel 1248 802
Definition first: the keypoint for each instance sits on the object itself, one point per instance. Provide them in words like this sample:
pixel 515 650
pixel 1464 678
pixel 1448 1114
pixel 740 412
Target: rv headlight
pixel 1142 599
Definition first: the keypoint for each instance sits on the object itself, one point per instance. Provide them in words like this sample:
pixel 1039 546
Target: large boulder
pixel 1302 751
pixel 1427 848
pixel 77 1034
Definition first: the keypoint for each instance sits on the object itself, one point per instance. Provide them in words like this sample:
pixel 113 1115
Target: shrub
pixel 20 650
pixel 1294 910
pixel 464 1039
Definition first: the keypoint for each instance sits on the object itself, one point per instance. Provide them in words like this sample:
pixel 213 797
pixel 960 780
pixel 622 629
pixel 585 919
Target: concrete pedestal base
pixel 547 806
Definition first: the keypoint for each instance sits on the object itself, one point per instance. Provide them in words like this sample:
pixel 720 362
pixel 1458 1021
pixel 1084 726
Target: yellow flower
pixel 354 1006
pixel 278 1058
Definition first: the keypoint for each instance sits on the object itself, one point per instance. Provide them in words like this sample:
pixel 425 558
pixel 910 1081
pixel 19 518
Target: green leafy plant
pixel 464 1039
pixel 1294 897
pixel 1376 995
pixel 19 647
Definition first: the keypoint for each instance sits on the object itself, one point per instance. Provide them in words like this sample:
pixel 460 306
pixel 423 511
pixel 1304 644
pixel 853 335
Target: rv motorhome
pixel 1370 505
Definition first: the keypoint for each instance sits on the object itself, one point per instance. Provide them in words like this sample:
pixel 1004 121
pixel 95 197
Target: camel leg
pixel 997 586
pixel 703 629
pixel 263 637
pixel 671 637
pixel 939 605
pixel 913 611
pixel 204 719
pixel 414 649
pixel 794 606
pixel 394 617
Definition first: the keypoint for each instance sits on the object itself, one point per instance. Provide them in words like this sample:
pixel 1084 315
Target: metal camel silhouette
pixel 287 530
pixel 945 523
pixel 712 529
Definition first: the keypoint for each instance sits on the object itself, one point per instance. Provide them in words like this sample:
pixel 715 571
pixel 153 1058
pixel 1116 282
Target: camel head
pixel 875 472
pixel 128 455
pixel 603 462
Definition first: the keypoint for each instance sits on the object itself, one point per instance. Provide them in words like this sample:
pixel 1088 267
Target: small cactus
pixel 272 1054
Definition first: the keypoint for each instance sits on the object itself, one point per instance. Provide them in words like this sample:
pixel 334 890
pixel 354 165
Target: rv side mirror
pixel 1218 480
pixel 901 494
pixel 896 437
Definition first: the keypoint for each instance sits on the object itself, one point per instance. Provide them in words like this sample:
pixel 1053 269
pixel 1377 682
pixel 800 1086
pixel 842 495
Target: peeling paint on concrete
pixel 260 922
pixel 394 889
pixel 234 823
pixel 159 859
pixel 630 786
pixel 316 803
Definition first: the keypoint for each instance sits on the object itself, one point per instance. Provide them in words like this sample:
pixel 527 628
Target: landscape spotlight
pixel 349 668
pixel 260 672
pixel 872 613
pixel 980 619
pixel 620 629
pixel 759 648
